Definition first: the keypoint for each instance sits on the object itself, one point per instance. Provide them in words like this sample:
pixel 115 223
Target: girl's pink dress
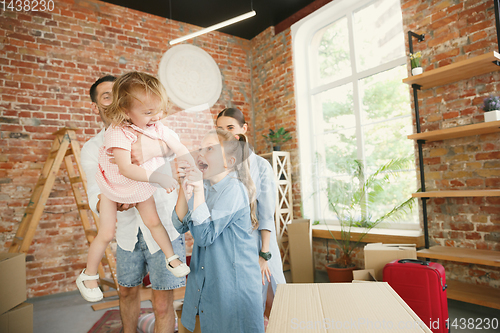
pixel 112 184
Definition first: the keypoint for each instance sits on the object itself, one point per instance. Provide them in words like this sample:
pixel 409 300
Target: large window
pixel 352 105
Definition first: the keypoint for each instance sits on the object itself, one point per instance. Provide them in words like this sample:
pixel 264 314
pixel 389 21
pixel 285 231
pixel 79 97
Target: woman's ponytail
pixel 238 147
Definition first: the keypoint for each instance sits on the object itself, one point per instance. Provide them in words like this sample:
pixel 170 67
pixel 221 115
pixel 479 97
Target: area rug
pixel 110 322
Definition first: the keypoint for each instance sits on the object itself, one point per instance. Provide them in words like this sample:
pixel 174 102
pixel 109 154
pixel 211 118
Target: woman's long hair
pixel 240 150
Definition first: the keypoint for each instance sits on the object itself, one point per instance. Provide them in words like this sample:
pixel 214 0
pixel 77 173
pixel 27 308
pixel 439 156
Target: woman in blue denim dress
pixel 223 287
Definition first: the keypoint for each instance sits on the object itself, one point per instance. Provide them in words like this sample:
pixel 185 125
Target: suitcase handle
pixel 413 261
pixel 421 262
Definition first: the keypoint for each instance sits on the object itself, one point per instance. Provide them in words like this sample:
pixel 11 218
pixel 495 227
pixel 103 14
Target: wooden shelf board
pixel 458 132
pixel 457 71
pixel 475 294
pixel 457 254
pixel 371 238
pixel 457 194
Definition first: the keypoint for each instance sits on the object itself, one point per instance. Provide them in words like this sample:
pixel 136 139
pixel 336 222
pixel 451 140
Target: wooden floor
pixel 70 313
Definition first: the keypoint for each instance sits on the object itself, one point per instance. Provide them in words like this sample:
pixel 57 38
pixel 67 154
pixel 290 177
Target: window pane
pixel 387 141
pixel 333 52
pixel 337 109
pixel 378 34
pixel 396 192
pixel 339 147
pixel 335 150
pixel 384 97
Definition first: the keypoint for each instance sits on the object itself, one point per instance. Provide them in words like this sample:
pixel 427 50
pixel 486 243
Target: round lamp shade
pixel 190 76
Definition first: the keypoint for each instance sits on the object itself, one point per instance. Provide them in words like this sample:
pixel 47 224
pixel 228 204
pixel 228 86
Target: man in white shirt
pixel 137 252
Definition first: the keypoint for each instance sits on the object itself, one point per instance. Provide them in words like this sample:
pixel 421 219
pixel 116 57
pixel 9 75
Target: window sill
pixel 387 236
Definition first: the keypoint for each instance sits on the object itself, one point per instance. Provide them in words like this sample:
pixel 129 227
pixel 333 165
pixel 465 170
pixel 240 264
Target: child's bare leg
pixel 149 215
pixel 105 235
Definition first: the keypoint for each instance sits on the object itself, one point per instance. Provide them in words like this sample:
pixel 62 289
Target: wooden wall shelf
pixel 321 231
pixel 457 194
pixel 458 254
pixel 475 294
pixel 458 132
pixel 457 71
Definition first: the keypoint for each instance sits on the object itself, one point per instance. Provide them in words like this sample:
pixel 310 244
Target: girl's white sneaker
pixel 179 271
pixel 89 294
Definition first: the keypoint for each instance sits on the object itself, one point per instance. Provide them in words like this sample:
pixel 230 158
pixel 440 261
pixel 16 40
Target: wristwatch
pixel 265 255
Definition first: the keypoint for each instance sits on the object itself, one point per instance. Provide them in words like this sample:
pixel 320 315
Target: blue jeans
pixel 132 267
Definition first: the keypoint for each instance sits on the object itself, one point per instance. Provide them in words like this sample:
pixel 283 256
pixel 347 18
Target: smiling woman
pixel 232 120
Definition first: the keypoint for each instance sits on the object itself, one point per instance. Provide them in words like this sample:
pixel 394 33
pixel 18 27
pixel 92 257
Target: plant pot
pixel 492 115
pixel 417 71
pixel 276 148
pixel 339 274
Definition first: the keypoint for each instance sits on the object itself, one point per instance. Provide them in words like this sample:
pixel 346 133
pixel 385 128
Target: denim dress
pixel 224 286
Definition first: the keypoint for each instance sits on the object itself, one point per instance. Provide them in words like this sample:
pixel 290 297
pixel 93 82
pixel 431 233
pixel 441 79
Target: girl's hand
pixel 265 271
pixel 181 169
pixel 195 179
pixel 187 189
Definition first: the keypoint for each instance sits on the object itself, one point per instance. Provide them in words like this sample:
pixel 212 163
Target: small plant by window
pixel 415 59
pixel 278 137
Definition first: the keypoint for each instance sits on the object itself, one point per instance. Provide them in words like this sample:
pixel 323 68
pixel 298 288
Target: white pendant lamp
pixel 213 27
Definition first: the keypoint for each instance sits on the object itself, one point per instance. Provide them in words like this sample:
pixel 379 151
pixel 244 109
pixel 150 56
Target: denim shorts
pixel 132 267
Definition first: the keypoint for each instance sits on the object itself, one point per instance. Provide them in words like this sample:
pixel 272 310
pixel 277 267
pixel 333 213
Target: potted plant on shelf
pixel 278 137
pixel 415 59
pixel 352 202
pixel 491 108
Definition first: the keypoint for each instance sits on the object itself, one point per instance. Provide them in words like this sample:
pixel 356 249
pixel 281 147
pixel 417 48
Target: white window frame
pixel 303 37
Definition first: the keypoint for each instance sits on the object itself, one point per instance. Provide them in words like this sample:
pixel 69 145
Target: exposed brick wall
pixel 458 30
pixel 274 97
pixel 321 246
pixel 48 62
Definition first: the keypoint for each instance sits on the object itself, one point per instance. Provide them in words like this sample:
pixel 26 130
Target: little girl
pixel 224 285
pixel 138 103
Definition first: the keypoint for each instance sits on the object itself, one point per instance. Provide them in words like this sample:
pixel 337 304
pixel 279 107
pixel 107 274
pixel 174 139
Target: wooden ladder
pixel 64 147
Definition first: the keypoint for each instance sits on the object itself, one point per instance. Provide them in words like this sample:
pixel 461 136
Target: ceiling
pixel 204 13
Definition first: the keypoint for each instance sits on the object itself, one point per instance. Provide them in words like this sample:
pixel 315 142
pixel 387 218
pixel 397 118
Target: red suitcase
pixel 422 285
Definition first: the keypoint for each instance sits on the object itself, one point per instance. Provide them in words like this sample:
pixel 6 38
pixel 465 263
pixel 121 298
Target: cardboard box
pixel 12 280
pixel 341 307
pixel 363 275
pixel 301 251
pixel 18 319
pixel 378 254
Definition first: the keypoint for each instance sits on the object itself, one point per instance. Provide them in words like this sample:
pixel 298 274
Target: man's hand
pixel 121 207
pixel 146 148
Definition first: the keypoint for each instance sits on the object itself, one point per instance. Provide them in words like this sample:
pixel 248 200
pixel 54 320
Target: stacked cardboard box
pixel 377 255
pixel 15 315
pixel 301 251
